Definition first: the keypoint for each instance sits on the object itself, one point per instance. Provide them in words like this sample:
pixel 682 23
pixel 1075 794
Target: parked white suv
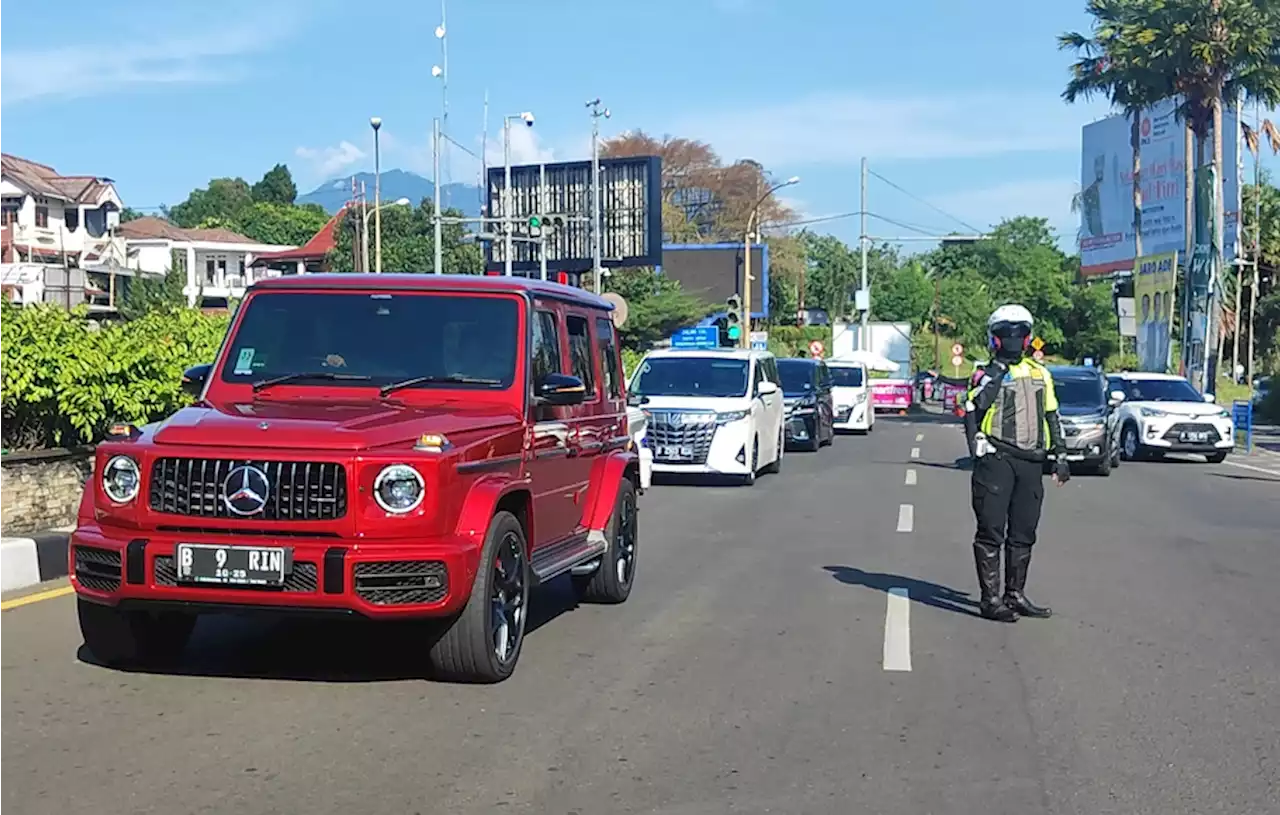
pixel 712 411
pixel 1163 413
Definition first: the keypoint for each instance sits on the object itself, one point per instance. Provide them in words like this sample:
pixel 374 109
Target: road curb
pixel 29 561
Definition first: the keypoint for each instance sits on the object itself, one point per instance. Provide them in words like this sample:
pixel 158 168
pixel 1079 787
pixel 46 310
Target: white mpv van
pixel 851 396
pixel 713 411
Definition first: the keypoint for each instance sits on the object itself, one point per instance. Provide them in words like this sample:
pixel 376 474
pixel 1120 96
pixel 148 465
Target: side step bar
pixel 558 558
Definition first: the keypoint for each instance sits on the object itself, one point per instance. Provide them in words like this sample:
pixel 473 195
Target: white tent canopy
pixel 871 359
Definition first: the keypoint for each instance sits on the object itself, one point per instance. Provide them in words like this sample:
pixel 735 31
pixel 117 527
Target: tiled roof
pixel 320 244
pixel 158 228
pixel 43 180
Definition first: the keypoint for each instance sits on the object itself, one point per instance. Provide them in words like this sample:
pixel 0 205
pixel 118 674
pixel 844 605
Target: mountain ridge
pixel 395 184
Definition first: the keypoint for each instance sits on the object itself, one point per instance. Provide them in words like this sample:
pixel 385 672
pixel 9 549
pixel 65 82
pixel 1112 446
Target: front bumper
pixel 1086 444
pixel 1181 435
pixel 392 580
pixel 729 452
pixel 857 417
pixel 801 427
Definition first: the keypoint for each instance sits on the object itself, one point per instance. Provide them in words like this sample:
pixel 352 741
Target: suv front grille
pixel 663 432
pixel 303 579
pixel 98 569
pixel 298 490
pixel 402 582
pixel 1174 433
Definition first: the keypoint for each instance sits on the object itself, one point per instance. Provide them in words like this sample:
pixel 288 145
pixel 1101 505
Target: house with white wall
pixel 218 262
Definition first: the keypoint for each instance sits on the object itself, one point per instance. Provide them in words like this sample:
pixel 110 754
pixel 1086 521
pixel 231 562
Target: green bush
pixel 66 379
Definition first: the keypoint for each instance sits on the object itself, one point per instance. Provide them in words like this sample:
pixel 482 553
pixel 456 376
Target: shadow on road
pixel 920 591
pixel 313 650
pixel 1264 479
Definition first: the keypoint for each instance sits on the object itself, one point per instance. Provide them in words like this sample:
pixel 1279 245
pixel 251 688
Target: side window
pixel 545 356
pixel 759 377
pixel 608 344
pixel 580 353
pixel 824 375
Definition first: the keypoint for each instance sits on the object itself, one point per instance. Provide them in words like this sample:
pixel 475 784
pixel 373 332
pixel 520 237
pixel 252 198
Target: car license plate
pixel 1195 435
pixel 673 452
pixel 232 565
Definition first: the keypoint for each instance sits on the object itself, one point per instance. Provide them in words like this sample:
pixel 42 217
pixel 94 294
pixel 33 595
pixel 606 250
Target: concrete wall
pixel 41 491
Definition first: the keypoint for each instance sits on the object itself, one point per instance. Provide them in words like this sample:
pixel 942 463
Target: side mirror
pixel 766 388
pixel 193 379
pixel 1210 398
pixel 637 399
pixel 561 389
pixel 1116 397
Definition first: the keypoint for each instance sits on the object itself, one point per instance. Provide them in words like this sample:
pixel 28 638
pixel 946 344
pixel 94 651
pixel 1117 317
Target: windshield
pixel 376 339
pixel 846 377
pixel 1161 390
pixel 691 376
pixel 797 375
pixel 1078 392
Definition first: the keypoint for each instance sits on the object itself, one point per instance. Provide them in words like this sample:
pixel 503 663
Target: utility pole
pixel 435 216
pixel 441 34
pixel 596 113
pixel 364 228
pixel 1257 240
pixel 506 194
pixel 542 210
pixel 745 338
pixel 862 244
pixel 376 124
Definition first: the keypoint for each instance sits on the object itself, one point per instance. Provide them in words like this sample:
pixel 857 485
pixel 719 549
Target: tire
pixel 1130 447
pixel 467 651
pixel 1104 467
pixel 815 438
pixel 831 434
pixel 611 583
pixel 1217 458
pixel 749 479
pixel 133 638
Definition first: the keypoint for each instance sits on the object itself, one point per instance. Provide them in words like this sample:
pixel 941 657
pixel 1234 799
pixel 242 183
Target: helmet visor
pixel 1011 331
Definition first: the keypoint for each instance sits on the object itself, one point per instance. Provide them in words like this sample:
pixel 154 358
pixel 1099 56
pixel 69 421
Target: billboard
pixel 1154 280
pixel 630 213
pixel 713 271
pixel 1106 188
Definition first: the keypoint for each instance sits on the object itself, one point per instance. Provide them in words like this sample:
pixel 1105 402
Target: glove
pixel 1061 470
pixel 981 446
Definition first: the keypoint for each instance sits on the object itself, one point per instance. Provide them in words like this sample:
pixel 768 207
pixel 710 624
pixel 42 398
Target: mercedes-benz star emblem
pixel 245 490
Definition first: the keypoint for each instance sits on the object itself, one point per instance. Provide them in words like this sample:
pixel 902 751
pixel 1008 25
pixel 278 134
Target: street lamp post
pixel 376 124
pixel 596 113
pixel 435 214
pixel 746 256
pixel 507 197
pixel 376 214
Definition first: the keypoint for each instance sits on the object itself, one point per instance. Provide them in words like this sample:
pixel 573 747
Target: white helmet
pixel 1011 314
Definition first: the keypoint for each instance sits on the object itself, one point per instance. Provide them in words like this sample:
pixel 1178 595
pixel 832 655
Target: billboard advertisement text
pixel 1154 278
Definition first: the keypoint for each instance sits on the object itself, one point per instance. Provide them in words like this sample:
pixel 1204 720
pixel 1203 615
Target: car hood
pixel 1082 411
pixel 1192 409
pixel 323 425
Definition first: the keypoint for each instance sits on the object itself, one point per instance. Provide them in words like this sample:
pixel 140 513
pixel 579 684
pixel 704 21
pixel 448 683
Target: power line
pixel 918 199
pixel 841 216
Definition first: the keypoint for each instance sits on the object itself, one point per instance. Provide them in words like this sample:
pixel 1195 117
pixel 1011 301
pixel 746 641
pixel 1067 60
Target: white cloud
pixel 329 161
pixel 110 65
pixel 526 147
pixel 1042 198
pixel 841 128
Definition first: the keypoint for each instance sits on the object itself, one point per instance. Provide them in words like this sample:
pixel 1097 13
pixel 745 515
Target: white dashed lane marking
pixel 897 631
pixel 911 478
pixel 915 452
pixel 919 437
pixel 906 517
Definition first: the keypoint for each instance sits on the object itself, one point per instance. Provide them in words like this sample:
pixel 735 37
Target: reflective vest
pixel 1017 416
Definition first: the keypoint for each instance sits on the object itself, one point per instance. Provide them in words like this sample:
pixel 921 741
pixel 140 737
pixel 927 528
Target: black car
pixel 806 392
pixel 1085 410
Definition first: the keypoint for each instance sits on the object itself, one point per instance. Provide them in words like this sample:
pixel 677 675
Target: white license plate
pixel 232 565
pixel 671 451
pixel 1198 435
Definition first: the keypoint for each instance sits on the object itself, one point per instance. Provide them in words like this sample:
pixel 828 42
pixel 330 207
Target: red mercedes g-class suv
pixel 386 446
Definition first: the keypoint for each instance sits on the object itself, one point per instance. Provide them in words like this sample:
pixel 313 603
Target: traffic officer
pixel 1011 424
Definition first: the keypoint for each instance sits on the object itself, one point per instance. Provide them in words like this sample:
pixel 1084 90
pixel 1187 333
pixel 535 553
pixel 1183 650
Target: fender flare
pixel 606 473
pixel 480 503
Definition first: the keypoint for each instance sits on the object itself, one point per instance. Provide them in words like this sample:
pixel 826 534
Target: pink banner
pixel 951 396
pixel 891 394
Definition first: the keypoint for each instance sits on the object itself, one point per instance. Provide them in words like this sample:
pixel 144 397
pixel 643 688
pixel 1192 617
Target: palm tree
pixel 1213 52
pixel 1114 63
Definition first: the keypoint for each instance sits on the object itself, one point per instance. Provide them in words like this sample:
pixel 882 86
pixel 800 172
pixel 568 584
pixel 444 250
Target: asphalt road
pixel 761 665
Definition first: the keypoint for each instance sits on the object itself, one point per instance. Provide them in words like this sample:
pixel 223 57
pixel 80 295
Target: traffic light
pixel 535 222
pixel 733 318
pixel 547 223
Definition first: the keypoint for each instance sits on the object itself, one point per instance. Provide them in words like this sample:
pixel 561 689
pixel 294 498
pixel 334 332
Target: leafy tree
pixel 902 294
pixel 1091 328
pixel 147 295
pixel 279 224
pixel 407 243
pixel 276 187
pixel 224 198
pixel 128 214
pixel 656 306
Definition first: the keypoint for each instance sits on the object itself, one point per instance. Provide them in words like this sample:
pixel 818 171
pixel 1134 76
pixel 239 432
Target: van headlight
pixel 732 416
pixel 399 488
pixel 121 479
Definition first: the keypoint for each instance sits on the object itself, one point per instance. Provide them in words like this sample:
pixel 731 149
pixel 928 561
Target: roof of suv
pixel 728 353
pixel 1074 372
pixel 433 282
pixel 1147 375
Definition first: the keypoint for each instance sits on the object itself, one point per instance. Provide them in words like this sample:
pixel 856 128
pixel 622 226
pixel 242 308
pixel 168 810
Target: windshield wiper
pixel 327 375
pixel 451 379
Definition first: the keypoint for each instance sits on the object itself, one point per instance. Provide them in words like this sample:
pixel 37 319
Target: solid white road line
pixel 919 437
pixel 906 517
pixel 897 631
pixel 915 452
pixel 1251 467
pixel 911 478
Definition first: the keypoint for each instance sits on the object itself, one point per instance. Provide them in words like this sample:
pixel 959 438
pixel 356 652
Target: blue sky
pixel 956 102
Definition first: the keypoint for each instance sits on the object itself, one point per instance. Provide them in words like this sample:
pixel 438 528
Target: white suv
pixel 713 411
pixel 1163 413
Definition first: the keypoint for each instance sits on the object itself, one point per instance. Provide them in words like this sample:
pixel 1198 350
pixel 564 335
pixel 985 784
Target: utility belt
pixel 1004 448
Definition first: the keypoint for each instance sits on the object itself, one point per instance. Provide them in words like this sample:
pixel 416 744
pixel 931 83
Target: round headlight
pixel 398 488
pixel 121 479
